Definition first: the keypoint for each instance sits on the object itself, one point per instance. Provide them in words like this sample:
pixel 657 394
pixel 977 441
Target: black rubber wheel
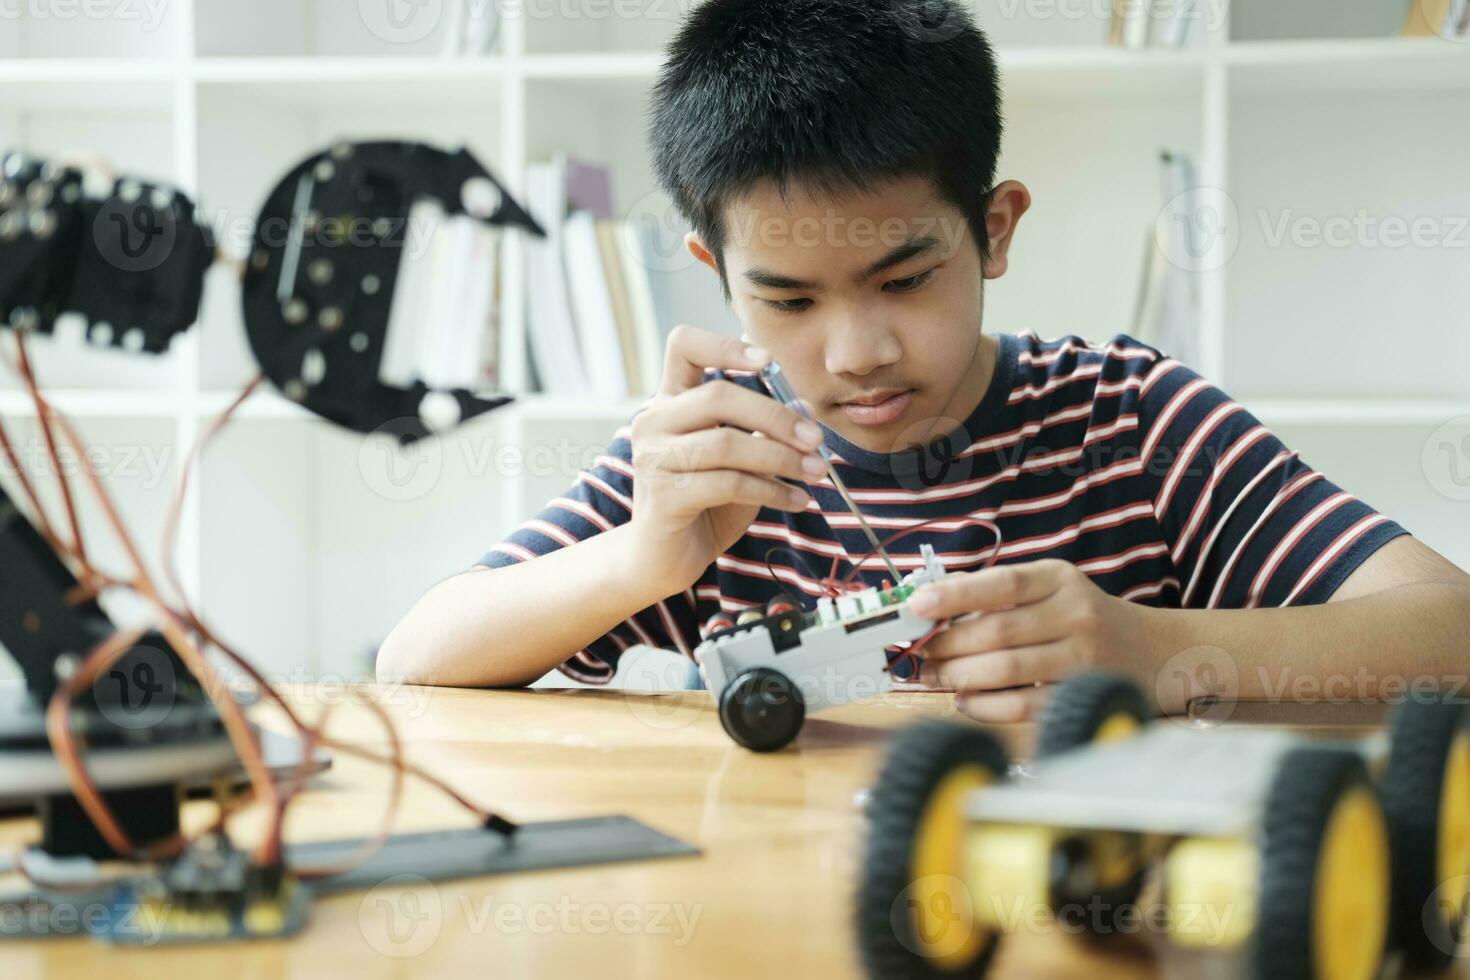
pixel 1424 737
pixel 917 770
pixel 1305 795
pixel 1082 706
pixel 761 709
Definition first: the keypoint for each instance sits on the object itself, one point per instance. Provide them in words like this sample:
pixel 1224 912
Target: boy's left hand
pixel 1021 628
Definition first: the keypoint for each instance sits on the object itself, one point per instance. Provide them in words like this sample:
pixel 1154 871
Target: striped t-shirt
pixel 1111 456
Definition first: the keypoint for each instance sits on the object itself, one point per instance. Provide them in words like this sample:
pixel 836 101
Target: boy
pixel 836 159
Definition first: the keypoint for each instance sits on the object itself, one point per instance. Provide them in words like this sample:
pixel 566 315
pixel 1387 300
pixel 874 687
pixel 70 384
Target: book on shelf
pixel 551 329
pixel 1169 311
pixel 597 328
pixel 443 322
pixel 1445 18
pixel 603 292
pixel 472 28
pixel 1140 24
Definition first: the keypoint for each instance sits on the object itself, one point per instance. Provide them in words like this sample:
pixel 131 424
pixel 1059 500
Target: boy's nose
pixel 860 347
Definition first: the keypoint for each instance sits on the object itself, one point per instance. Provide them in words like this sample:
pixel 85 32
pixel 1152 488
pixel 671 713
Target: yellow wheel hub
pixel 1117 728
pixel 1211 884
pixel 942 913
pixel 1350 906
pixel 1454 828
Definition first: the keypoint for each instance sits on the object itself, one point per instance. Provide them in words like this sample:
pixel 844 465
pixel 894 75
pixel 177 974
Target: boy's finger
pixel 1006 707
pixel 1001 669
pixel 1001 629
pixel 1001 587
pixel 716 488
pixel 691 351
pixel 726 403
pixel 730 449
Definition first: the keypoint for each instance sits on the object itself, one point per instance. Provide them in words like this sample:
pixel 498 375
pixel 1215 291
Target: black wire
pixel 772 569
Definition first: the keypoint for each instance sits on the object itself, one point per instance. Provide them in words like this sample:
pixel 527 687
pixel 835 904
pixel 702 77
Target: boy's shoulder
pixel 1066 353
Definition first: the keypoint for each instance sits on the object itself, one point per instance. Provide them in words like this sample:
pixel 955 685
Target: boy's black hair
pixel 836 95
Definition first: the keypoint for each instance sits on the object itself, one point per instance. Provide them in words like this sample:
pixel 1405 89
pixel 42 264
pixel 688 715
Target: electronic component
pixel 449 854
pixel 1274 854
pixel 779 663
pixel 318 288
pixel 329 247
pixel 131 262
pixel 209 893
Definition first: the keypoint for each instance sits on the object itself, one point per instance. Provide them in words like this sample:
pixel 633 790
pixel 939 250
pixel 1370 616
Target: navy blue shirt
pixel 1113 457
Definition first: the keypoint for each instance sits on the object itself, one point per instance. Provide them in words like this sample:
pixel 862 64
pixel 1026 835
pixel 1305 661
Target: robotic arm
pixel 130 258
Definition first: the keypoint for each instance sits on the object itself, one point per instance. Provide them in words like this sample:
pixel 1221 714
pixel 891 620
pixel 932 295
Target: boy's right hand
pixel 706 457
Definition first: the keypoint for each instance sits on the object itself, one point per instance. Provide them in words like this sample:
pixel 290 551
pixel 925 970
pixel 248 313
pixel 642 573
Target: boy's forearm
pixel 1381 646
pixel 508 626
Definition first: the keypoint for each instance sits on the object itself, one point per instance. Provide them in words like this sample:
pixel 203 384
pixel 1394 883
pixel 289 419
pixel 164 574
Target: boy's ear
pixel 696 248
pixel 1008 202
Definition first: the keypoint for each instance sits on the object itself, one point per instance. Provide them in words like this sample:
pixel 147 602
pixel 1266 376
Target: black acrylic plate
pixel 472 853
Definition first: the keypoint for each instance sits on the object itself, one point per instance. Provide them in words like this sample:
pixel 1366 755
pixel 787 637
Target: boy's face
pixel 871 303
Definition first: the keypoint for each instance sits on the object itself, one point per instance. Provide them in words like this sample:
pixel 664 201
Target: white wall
pixel 306 557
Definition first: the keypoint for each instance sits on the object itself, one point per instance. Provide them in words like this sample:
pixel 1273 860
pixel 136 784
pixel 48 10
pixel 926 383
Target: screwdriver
pixel 775 381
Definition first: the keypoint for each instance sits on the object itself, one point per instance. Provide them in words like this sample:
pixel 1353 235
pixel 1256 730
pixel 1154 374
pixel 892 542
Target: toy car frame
pixel 769 671
pixel 1312 858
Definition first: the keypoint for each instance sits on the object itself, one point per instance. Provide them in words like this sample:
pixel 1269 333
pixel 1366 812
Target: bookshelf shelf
pixel 1344 413
pixel 268 405
pixel 345 69
pixel 225 96
pixel 91 403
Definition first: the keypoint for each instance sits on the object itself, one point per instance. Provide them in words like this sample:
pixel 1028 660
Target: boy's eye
pixel 911 283
pixel 787 305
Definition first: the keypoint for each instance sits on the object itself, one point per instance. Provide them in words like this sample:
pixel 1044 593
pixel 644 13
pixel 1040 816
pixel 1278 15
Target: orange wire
pixel 43 523
pixel 172 628
pixel 43 418
pixel 175 626
pixel 63 742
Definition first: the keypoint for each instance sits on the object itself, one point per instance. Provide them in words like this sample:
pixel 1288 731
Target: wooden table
pixel 770 897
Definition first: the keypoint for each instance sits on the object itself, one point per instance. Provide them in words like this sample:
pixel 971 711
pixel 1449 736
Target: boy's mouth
pixel 879 407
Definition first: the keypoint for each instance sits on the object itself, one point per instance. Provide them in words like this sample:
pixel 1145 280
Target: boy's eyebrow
pixel 774 280
pixel 909 249
pixel 901 254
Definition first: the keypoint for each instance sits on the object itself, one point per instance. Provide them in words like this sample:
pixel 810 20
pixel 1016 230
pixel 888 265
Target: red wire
pixel 912 653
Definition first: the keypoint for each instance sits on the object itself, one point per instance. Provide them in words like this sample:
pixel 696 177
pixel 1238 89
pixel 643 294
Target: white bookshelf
pixel 299 558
